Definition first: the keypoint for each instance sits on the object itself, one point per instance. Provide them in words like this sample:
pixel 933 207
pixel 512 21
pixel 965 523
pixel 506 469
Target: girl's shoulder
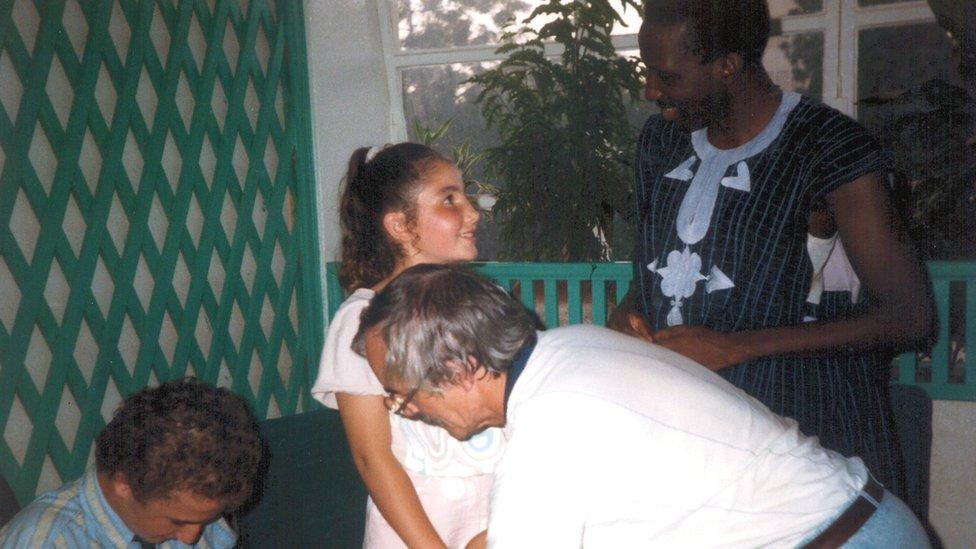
pixel 345 322
pixel 340 368
pixel 354 304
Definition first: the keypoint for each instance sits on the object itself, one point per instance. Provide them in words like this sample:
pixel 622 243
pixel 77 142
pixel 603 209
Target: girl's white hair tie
pixel 371 153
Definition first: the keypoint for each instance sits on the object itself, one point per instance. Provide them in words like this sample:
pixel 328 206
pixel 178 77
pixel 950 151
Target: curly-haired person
pixel 171 462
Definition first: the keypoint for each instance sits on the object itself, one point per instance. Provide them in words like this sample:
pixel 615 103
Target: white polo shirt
pixel 613 442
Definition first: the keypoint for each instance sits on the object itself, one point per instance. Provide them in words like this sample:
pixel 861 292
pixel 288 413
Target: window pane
pixel 451 23
pixel 632 19
pixel 910 93
pixel 434 95
pixel 795 62
pixel 429 24
pixel 782 8
pixel 893 63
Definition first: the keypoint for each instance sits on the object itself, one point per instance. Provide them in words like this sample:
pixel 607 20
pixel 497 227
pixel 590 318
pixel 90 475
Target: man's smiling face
pixel 688 91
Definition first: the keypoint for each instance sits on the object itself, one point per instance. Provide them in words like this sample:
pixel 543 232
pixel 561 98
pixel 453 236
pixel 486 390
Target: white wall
pixel 350 98
pixel 953 474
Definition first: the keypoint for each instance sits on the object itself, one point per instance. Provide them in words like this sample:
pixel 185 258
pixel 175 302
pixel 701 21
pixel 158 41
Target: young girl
pixel 404 206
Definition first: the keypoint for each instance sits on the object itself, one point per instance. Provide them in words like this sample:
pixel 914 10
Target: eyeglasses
pixel 397 404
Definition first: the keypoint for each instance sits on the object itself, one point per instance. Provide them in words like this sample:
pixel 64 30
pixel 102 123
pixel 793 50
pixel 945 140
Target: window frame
pixel 840 22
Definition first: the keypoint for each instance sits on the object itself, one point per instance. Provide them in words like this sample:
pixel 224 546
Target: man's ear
pixel 396 225
pixel 120 485
pixel 466 380
pixel 374 351
pixel 729 65
pixel 467 377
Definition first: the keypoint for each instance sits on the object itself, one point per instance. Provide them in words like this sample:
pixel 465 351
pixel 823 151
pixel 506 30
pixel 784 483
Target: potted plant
pixel 564 160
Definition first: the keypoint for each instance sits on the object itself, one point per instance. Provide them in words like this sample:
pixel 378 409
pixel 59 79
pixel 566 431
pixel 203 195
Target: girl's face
pixel 445 222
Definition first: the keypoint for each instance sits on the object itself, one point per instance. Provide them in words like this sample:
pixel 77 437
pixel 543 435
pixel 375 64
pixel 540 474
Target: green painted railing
pixel 948 372
pixel 573 293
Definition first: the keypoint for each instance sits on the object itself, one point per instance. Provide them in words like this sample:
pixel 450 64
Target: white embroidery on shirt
pixel 717 280
pixel 740 181
pixel 679 279
pixel 683 171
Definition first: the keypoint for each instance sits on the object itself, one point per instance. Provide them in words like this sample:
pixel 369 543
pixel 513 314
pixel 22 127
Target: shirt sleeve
pixel 539 497
pixel 342 370
pixel 845 152
pixel 45 526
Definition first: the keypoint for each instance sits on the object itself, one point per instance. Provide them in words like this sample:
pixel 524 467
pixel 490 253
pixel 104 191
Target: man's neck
pixel 753 101
pixel 106 485
pixel 510 377
pixel 496 400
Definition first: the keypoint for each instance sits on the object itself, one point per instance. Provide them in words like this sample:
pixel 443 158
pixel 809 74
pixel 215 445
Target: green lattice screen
pixel 152 154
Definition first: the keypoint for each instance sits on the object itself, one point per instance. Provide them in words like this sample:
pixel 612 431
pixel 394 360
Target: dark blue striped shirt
pixel 750 269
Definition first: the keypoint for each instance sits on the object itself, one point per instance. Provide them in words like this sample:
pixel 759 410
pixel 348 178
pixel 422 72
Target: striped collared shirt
pixel 77 515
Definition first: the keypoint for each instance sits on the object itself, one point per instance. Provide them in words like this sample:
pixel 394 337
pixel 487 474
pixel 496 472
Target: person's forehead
pixel 440 180
pixel 186 506
pixel 661 38
pixel 441 168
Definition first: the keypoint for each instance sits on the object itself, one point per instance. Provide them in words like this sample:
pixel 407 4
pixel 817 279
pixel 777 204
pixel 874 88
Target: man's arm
pixel 902 313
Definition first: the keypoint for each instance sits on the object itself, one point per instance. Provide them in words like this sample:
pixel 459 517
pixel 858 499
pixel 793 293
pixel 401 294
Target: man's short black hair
pixel 717 27
pixel 183 435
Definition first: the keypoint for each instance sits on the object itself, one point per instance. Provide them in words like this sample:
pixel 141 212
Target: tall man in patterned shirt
pixel 171 462
pixel 731 177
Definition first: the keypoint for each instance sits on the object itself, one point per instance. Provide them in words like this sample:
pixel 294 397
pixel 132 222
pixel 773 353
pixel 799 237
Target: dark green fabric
pixel 311 494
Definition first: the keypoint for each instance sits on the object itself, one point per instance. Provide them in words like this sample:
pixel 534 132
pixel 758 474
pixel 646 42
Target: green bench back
pixel 573 293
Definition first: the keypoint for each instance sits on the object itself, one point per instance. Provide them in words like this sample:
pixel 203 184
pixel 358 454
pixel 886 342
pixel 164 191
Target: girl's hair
pixel 388 182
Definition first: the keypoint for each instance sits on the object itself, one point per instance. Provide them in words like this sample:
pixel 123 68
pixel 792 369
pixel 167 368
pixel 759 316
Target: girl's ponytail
pixel 386 182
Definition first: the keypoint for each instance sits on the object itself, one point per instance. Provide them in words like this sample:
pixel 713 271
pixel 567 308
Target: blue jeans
pixel 891 526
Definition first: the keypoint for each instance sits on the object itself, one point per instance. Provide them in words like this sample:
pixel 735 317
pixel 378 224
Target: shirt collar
pixel 515 370
pixel 108 522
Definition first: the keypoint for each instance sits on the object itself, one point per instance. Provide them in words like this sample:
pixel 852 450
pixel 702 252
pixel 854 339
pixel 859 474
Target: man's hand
pixel 478 542
pixel 633 324
pixel 713 350
pixel 626 320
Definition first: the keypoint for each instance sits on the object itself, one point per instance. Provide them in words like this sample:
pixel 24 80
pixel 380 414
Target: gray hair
pixel 434 314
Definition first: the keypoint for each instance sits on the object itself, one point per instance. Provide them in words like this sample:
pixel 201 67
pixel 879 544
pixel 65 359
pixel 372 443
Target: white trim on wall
pixel 387 15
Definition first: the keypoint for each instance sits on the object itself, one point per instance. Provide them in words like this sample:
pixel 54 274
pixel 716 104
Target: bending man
pixel 612 442
pixel 171 462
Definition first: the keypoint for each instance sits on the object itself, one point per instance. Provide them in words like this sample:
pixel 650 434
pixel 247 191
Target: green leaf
pixel 565 140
